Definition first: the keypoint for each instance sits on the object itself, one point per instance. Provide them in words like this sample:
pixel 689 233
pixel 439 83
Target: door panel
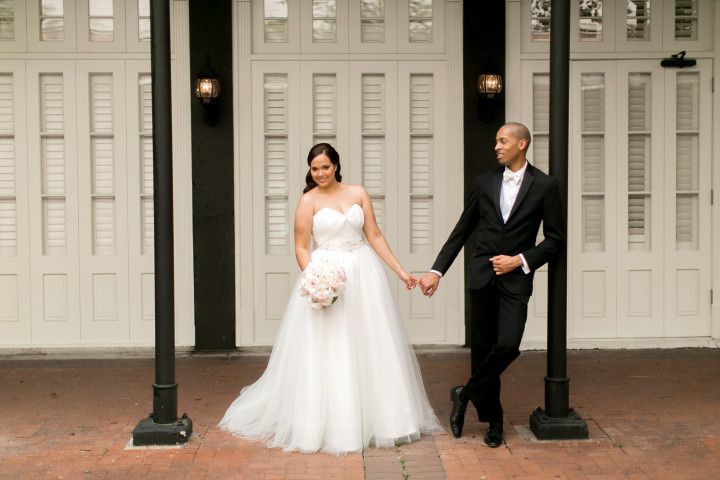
pixel 640 191
pixel 102 202
pixel 14 239
pixel 688 121
pixel 420 147
pixel 53 202
pixel 278 182
pixel 593 227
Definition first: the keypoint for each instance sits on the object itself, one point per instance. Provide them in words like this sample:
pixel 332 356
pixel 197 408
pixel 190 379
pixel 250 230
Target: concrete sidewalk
pixel 653 414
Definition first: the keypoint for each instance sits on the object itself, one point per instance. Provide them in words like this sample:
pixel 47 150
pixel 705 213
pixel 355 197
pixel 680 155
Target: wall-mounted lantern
pixel 207 90
pixel 489 85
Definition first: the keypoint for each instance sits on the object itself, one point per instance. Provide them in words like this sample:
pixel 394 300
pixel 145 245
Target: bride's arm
pixel 303 230
pixel 377 241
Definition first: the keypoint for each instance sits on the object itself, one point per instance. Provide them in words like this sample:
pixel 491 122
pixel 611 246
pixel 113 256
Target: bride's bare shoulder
pixel 356 189
pixel 307 201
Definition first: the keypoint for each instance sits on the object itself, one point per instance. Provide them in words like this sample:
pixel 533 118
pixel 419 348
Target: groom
pixel 506 207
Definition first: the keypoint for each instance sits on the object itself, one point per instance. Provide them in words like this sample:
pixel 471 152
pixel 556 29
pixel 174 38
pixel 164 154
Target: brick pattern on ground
pixel 653 414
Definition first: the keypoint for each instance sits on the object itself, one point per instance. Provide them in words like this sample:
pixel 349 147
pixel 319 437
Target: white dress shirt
pixel 508 194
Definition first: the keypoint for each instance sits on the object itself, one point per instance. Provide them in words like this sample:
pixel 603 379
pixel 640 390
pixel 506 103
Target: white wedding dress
pixel 342 378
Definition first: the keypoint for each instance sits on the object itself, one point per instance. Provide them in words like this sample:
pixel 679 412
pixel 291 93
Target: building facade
pixel 389 84
pixel 641 213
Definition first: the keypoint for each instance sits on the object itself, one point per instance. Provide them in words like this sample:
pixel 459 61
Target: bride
pixel 345 377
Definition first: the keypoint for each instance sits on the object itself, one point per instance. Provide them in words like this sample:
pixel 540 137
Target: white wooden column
pixel 182 175
pixel 242 107
pixel 453 176
pixel 513 61
pixel 716 177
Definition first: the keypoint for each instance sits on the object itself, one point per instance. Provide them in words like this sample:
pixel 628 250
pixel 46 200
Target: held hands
pixel 503 264
pixel 429 284
pixel 409 280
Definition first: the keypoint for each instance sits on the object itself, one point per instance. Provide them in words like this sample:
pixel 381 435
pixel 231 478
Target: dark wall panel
pixel 212 164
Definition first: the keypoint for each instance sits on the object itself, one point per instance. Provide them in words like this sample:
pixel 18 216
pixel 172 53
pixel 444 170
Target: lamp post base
pixel 148 432
pixel 571 427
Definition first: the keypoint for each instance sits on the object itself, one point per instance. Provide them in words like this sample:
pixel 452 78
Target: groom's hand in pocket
pixel 429 284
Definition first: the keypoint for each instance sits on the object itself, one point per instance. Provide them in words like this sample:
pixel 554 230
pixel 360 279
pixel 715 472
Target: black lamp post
pixel 163 426
pixel 558 420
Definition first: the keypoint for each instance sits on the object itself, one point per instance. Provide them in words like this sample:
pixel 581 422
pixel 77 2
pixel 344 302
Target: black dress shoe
pixel 494 435
pixel 457 414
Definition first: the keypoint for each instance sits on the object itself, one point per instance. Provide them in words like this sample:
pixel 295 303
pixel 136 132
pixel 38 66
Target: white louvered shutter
pixel 276 163
pixel 147 216
pixel 103 163
pixel 541 121
pixel 324 90
pixel 639 160
pixel 421 152
pixel 373 101
pixel 593 161
pixel 687 160
pixel 52 132
pixel 8 199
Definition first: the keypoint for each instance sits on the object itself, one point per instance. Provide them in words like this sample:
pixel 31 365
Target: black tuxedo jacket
pixel 538 200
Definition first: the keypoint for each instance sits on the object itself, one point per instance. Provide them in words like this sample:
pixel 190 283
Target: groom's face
pixel 508 147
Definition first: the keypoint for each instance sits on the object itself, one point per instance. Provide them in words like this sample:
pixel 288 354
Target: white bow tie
pixel 512 177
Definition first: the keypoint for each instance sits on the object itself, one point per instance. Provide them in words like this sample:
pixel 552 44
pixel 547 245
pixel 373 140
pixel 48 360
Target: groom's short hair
pixel 520 131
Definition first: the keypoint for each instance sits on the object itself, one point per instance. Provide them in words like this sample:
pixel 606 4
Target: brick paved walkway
pixel 652 415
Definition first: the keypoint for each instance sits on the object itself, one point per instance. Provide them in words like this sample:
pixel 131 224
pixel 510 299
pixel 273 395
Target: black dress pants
pixel 496 329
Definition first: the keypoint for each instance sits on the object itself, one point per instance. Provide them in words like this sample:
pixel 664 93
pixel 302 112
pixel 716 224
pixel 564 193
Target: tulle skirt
pixel 339 379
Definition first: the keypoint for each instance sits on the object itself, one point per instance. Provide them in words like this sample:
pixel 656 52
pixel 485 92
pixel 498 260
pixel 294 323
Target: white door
pixel 385 120
pixel 640 199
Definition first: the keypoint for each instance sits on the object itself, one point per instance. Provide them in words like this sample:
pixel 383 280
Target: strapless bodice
pixel 335 230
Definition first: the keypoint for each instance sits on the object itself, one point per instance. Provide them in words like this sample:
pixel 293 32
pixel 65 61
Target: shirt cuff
pixel 525 267
pixel 436 273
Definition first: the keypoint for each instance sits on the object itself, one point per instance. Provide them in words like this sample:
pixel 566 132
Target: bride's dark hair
pixel 331 153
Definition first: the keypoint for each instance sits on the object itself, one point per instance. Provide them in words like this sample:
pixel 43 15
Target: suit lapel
pixel 496 184
pixel 524 187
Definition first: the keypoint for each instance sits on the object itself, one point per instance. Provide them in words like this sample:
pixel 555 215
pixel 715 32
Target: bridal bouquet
pixel 321 282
